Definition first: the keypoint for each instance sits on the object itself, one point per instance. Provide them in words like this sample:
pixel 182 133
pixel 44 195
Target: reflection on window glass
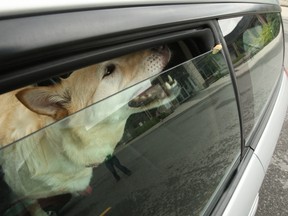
pixel 158 146
pixel 256 47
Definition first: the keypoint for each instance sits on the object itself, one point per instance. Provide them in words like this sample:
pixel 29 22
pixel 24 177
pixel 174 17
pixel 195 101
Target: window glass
pixel 255 44
pixel 161 145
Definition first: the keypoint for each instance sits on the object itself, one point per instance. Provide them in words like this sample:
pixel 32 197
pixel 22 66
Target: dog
pixel 77 132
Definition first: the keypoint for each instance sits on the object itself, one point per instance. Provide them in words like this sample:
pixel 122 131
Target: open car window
pixel 166 143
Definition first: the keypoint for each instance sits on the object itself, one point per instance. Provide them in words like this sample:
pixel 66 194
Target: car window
pixel 162 143
pixel 255 44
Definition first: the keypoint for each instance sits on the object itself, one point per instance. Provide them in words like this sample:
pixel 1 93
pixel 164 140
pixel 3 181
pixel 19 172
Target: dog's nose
pixel 162 51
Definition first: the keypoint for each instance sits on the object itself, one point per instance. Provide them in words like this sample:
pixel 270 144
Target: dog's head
pixel 94 132
pixel 94 83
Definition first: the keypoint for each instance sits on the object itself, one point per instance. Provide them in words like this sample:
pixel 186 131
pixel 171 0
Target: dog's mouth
pixel 157 95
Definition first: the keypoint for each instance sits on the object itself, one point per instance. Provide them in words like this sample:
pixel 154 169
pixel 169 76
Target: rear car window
pixel 255 44
pixel 156 134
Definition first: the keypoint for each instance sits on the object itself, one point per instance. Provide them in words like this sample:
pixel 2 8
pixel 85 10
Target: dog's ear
pixel 45 101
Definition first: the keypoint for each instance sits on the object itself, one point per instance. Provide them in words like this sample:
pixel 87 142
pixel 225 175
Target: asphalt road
pixel 274 191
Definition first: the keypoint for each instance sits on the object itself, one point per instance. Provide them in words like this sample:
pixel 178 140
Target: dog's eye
pixel 109 70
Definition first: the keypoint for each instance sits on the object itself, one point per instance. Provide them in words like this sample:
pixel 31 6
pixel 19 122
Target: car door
pixel 121 137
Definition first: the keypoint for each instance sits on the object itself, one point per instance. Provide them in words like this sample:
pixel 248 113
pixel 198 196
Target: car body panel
pixel 268 140
pixel 250 183
pixel 253 176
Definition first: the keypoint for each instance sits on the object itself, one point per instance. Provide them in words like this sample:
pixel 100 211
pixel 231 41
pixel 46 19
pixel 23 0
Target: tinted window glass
pixel 162 144
pixel 256 47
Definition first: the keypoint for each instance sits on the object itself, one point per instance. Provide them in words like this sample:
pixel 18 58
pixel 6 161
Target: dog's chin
pixel 156 95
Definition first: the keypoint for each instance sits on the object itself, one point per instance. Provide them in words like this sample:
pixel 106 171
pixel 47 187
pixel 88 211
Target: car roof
pixel 20 7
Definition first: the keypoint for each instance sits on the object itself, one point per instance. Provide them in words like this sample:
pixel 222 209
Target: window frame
pixel 26 59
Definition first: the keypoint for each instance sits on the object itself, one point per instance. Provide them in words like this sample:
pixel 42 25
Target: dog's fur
pixel 58 158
